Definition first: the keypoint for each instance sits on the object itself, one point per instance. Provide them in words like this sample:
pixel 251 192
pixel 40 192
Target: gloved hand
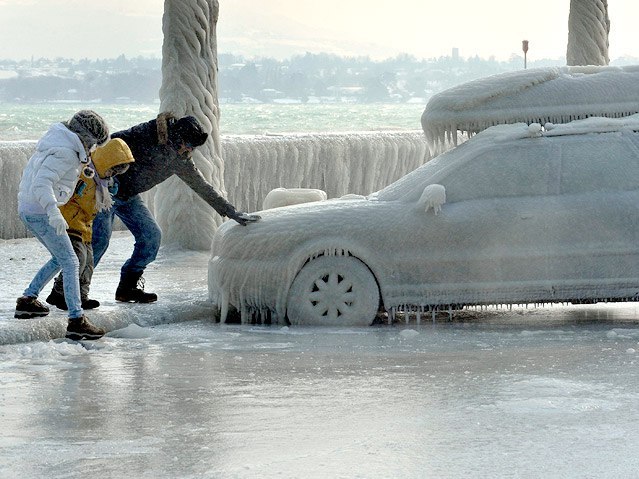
pixel 242 218
pixel 57 221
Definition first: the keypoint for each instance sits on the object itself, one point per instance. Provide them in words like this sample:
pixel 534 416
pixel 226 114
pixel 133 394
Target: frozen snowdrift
pixel 556 95
pixel 338 164
pixel 179 278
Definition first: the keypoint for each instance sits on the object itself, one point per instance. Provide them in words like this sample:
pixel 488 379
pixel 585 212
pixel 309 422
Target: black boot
pixel 131 289
pixel 56 299
pixel 88 303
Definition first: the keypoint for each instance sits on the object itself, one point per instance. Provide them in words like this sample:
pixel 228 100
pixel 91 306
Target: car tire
pixel 333 291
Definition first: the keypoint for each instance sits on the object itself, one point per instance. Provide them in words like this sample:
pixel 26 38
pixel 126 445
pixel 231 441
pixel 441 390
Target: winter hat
pixel 113 153
pixel 90 127
pixel 187 130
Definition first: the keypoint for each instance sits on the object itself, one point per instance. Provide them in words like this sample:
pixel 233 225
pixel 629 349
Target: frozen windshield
pixel 411 186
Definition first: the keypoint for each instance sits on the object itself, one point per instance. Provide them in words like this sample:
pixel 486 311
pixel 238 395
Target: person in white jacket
pixel 49 180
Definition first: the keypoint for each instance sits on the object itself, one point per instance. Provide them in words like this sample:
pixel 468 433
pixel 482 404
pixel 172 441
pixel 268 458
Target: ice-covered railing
pixel 542 95
pixel 338 163
pixel 13 158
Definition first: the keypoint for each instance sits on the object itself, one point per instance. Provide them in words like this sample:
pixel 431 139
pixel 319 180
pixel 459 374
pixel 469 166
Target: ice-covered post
pixel 588 29
pixel 189 87
pixel 524 47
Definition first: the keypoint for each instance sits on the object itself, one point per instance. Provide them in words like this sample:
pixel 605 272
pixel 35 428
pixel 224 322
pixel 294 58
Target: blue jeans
pixel 140 222
pixel 62 257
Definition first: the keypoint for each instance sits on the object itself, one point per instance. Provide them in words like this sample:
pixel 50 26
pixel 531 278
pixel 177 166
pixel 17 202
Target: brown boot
pixel 81 328
pixel 29 307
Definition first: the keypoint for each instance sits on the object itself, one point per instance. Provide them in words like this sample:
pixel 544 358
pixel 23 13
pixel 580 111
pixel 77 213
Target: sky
pixel 282 28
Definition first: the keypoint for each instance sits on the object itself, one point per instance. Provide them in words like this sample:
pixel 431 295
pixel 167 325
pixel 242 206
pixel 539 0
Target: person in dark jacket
pixel 162 148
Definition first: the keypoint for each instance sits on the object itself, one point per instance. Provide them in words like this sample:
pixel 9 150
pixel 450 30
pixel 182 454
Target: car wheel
pixel 333 291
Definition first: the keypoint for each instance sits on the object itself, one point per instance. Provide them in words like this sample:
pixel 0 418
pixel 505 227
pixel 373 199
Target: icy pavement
pixel 180 278
pixel 538 392
pixel 533 398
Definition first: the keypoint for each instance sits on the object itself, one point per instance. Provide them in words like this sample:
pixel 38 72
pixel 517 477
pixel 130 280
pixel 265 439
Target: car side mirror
pixel 434 196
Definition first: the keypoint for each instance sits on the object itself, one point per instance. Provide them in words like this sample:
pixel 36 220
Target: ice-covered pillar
pixel 588 29
pixel 189 87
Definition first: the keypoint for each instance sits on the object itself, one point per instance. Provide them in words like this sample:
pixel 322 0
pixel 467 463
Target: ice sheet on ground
pixel 546 393
pixel 179 277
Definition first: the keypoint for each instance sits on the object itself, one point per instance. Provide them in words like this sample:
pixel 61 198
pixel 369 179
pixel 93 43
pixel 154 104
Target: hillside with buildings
pixel 316 78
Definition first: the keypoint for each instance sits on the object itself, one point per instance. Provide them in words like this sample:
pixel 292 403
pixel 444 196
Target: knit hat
pixel 187 130
pixel 90 127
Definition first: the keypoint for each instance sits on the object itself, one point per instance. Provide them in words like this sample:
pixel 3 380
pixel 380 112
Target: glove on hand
pixel 242 218
pixel 57 221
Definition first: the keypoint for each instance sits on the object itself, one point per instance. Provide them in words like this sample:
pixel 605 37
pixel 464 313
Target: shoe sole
pixel 29 314
pixel 81 336
pixel 124 300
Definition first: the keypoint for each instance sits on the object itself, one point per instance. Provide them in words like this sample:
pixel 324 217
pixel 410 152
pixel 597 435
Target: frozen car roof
pixel 577 127
pixel 486 139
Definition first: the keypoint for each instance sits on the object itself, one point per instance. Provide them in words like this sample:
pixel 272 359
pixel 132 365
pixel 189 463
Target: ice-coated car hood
pixel 282 229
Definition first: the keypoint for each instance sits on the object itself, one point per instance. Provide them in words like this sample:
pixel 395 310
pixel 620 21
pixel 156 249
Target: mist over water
pixel 19 121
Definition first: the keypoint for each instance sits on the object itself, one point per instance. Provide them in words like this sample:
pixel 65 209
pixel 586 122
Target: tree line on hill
pixel 310 77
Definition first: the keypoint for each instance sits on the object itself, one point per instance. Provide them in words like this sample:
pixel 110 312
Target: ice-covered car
pixel 517 214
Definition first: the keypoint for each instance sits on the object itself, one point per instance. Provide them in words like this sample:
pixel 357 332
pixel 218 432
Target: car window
pixel 508 170
pixel 602 162
pixel 410 187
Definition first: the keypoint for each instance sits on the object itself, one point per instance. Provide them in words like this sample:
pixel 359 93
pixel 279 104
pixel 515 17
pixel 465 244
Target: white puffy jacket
pixel 52 172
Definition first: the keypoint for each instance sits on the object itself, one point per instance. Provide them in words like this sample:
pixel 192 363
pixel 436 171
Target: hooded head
pixel 114 153
pixel 187 130
pixel 90 128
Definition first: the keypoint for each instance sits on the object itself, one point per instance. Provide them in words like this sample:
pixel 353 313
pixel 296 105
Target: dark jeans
pixel 138 219
pixel 85 256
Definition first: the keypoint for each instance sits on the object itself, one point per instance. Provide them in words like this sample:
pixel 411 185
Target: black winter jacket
pixel 155 162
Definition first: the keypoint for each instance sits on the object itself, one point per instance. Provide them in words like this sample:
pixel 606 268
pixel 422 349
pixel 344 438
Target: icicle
pixel 244 316
pixel 224 304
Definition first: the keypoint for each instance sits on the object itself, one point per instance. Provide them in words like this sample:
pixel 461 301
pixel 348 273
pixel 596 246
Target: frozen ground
pixel 181 277
pixel 546 392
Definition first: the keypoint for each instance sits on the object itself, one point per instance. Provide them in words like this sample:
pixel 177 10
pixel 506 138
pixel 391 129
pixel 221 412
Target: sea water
pixel 21 121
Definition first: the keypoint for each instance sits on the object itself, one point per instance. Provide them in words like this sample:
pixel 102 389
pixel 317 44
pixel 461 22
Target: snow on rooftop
pixel 542 95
